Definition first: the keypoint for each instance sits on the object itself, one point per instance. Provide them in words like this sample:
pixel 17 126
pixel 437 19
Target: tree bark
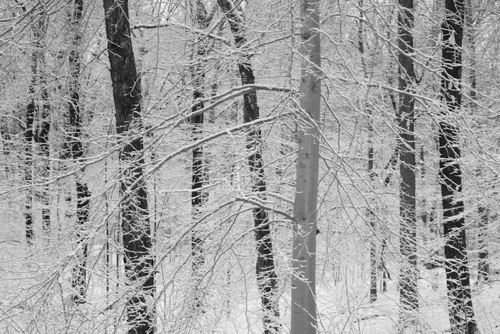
pixel 483 211
pixel 75 150
pixel 483 266
pixel 265 269
pixel 136 230
pixel 37 133
pixel 460 306
pixel 198 179
pixel 304 319
pixel 370 212
pixel 406 116
pixel 28 172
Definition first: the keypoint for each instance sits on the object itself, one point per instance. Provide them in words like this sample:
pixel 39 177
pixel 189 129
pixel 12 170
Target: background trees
pixel 138 166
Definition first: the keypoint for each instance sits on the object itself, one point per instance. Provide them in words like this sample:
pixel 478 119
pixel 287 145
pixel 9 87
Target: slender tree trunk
pixel 424 211
pixel 457 272
pixel 34 133
pixel 43 127
pixel 75 150
pixel 304 319
pixel 370 214
pixel 483 264
pixel 79 278
pixel 28 172
pixel 265 269
pixel 408 229
pixel 136 229
pixel 483 211
pixel 42 139
pixel 198 180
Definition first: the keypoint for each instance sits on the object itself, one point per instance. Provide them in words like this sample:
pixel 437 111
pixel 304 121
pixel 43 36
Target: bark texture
pixel 370 214
pixel 406 116
pixel 460 307
pixel 136 230
pixel 483 209
pixel 304 320
pixel 198 178
pixel 75 152
pixel 37 128
pixel 265 269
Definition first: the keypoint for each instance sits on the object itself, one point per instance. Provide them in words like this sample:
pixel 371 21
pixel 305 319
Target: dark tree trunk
pixel 37 134
pixel 483 264
pixel 483 211
pixel 406 116
pixel 136 230
pixel 79 279
pixel 28 173
pixel 198 179
pixel 370 214
pixel 424 211
pixel 266 275
pixel 75 150
pixel 42 134
pixel 42 139
pixel 457 272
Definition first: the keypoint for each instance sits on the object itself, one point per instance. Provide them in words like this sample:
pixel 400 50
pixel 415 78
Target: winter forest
pixel 234 166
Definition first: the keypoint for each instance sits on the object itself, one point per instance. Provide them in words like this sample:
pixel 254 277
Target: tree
pixel 266 275
pixel 194 270
pixel 74 150
pixel 136 230
pixel 457 273
pixel 304 319
pixel 483 209
pixel 37 132
pixel 202 20
pixel 370 214
pixel 406 117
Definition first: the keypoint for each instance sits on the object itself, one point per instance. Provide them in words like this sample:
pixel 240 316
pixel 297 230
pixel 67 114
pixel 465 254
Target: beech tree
pixel 304 314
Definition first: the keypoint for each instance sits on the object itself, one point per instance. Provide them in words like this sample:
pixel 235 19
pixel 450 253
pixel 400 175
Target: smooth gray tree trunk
pixel 304 320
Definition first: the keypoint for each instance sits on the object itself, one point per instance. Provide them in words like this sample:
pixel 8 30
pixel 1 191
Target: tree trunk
pixel 136 230
pixel 483 211
pixel 79 278
pixel 43 128
pixel 370 213
pixel 304 319
pixel 460 307
pixel 37 134
pixel 406 117
pixel 42 139
pixel 75 150
pixel 265 270
pixel 28 172
pixel 483 266
pixel 424 211
pixel 198 180
pixel 408 229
